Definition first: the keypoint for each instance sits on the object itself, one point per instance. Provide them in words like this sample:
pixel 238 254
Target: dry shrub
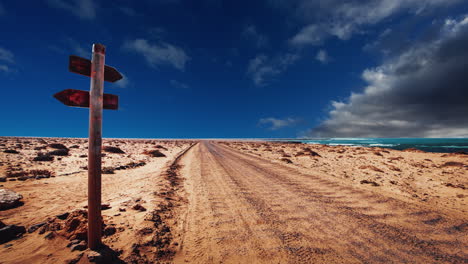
pixel 371 168
pixel 160 147
pixel 43 157
pixel 452 164
pixel 111 149
pixel 154 153
pixel 11 151
pixel 58 152
pixel 46 173
pixel 57 146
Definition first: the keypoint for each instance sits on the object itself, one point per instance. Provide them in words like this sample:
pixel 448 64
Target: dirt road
pixel 245 209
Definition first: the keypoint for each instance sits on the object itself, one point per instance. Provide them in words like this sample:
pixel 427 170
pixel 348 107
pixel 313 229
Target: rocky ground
pixel 172 201
pixel 43 216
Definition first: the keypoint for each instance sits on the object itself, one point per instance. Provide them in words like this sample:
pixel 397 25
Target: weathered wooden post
pixel 96 100
pixel 95 145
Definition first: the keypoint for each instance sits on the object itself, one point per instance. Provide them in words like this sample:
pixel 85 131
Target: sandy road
pixel 245 209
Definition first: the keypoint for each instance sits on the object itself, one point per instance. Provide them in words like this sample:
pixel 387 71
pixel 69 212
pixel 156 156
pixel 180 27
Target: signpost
pixel 96 100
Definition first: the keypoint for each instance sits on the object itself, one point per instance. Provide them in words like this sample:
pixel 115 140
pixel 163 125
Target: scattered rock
pixel 43 157
pixel 50 235
pixel 9 199
pixel 452 164
pixel 113 150
pixel 11 151
pixel 109 231
pixel 3 178
pixel 154 153
pixel 33 228
pixel 80 246
pixel 58 152
pixel 371 168
pixel 11 232
pixel 76 259
pixel 373 183
pixel 63 216
pixel 121 209
pixel 287 160
pixel 57 146
pixel 139 207
pixel 108 170
pixel 94 256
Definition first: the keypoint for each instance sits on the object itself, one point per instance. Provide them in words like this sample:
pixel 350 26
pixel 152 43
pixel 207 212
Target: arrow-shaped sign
pixel 83 66
pixel 78 98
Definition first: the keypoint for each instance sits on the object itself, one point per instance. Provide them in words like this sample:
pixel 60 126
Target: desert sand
pixel 237 202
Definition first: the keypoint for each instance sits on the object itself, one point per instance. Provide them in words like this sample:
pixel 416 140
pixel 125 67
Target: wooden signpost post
pixel 96 100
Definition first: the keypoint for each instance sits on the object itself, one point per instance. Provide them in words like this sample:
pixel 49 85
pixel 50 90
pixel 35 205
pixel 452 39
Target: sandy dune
pixel 241 202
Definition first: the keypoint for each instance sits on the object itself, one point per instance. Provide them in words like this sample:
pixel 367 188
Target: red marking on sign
pixel 83 66
pixel 78 98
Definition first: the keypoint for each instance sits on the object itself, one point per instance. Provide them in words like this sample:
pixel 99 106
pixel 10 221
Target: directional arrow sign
pixel 78 98
pixel 83 66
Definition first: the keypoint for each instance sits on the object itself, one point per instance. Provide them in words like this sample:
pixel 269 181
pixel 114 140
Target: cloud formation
pixel 322 56
pixel 422 92
pixel 179 85
pixel 6 58
pixel 84 9
pixel 275 123
pixel 342 19
pixel 262 69
pixel 159 53
pixel 251 32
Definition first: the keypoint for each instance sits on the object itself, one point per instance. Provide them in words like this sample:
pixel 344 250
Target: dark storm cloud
pixel 422 92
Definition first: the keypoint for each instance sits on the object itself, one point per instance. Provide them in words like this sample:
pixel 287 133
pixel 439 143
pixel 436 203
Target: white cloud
pixel 275 123
pixel 179 85
pixel 322 56
pixel 6 55
pixel 342 19
pixel 261 68
pixel 4 68
pixel 252 33
pixel 78 48
pixel 421 92
pixel 123 83
pixel 84 9
pixel 159 54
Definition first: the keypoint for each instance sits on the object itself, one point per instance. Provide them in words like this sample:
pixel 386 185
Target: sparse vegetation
pixel 154 153
pixel 11 151
pixel 111 149
pixel 59 152
pixel 43 157
pixel 57 146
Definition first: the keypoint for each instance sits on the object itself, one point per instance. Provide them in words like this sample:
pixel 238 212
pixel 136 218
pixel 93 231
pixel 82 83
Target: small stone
pixel 121 209
pixel 63 216
pixel 9 199
pixel 49 235
pixel 35 227
pixel 80 246
pixel 11 232
pixel 73 242
pixel 139 207
pixel 94 256
pixel 76 259
pixel 109 231
pixel 3 179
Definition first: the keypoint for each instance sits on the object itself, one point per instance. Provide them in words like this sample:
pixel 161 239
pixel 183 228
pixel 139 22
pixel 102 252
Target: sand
pixel 245 202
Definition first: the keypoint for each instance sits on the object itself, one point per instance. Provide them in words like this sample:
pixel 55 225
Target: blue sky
pixel 240 69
